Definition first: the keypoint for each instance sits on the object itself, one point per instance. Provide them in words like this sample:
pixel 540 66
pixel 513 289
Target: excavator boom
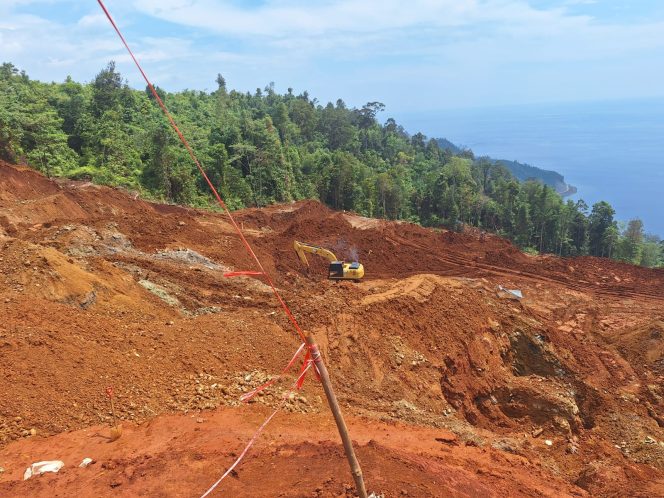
pixel 301 248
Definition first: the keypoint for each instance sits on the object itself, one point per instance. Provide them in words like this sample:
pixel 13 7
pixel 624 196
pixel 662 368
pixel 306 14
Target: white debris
pixel 41 467
pixel 509 293
pixel 548 442
pixel 85 462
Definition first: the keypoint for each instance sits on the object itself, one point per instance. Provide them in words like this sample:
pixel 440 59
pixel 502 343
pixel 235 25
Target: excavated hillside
pixel 452 387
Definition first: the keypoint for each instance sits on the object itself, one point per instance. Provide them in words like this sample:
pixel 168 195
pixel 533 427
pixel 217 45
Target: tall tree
pixel 599 221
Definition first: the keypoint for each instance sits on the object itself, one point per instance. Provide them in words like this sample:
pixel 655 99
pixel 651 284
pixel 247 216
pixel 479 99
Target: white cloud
pixel 355 49
pixel 93 21
pixel 282 18
pixel 51 50
pixel 508 26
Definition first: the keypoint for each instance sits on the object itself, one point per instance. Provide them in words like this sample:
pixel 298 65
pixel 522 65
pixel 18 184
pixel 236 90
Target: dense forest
pixel 264 147
pixel 522 171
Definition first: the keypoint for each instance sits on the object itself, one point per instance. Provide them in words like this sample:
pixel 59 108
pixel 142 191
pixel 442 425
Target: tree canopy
pixel 263 147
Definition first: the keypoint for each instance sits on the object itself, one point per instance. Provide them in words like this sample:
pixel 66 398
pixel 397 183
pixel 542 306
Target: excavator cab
pixel 338 270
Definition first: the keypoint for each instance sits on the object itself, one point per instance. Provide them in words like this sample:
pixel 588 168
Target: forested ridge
pixel 264 147
pixel 522 171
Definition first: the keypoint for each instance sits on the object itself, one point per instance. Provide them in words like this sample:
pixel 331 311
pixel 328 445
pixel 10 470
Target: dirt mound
pixel 100 288
pixel 398 249
pixel 182 456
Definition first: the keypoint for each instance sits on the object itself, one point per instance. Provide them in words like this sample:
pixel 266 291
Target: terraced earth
pixel 451 387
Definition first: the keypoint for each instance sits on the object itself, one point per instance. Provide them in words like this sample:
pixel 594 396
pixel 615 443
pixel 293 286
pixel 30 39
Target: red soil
pixel 100 288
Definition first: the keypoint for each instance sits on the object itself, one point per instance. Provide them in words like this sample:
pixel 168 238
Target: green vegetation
pixel 265 147
pixel 521 171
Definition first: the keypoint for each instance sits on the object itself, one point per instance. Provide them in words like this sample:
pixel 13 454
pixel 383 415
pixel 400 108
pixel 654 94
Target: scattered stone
pixel 160 292
pixel 89 300
pixel 650 440
pixel 449 439
pixel 573 445
pixel 85 462
pixel 537 431
pixel 42 467
pixel 190 257
pixel 504 445
pixel 548 442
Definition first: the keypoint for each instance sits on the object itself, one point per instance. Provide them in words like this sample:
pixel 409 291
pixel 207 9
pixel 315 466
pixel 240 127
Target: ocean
pixel 612 151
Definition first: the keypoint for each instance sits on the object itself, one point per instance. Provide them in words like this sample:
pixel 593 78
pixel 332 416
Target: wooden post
pixel 338 417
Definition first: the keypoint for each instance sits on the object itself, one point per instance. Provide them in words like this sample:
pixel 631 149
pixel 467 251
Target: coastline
pixel 568 191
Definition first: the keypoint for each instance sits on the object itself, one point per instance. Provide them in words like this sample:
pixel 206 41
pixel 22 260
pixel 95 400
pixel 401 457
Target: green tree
pixel 633 241
pixel 264 147
pixel 600 242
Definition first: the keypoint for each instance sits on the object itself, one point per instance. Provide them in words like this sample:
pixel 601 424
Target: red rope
pixel 296 386
pixel 200 169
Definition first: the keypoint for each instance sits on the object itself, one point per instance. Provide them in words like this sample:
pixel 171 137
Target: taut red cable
pixel 307 361
pixel 184 141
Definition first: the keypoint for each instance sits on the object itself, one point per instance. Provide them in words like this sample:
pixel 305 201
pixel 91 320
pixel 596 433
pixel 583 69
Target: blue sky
pixel 413 56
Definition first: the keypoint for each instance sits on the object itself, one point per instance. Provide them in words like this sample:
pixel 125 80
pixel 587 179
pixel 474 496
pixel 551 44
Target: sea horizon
pixel 609 150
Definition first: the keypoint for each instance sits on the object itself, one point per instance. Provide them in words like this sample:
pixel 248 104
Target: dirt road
pixel 452 389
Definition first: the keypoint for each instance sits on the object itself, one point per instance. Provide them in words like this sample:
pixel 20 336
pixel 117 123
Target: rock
pixel 89 300
pixel 650 440
pixel 562 423
pixel 537 432
pixel 42 467
pixel 504 445
pixel 450 439
pixel 548 442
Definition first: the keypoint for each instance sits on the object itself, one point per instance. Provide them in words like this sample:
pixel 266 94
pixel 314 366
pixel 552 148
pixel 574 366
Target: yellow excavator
pixel 339 270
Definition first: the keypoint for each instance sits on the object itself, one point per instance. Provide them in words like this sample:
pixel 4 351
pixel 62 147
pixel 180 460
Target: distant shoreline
pixel 569 190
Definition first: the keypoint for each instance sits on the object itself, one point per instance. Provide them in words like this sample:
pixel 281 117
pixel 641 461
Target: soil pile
pixel 453 388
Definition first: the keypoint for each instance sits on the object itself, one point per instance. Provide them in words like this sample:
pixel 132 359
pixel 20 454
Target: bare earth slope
pixel 450 389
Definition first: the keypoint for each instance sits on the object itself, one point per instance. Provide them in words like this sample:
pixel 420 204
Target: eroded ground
pixel 451 388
